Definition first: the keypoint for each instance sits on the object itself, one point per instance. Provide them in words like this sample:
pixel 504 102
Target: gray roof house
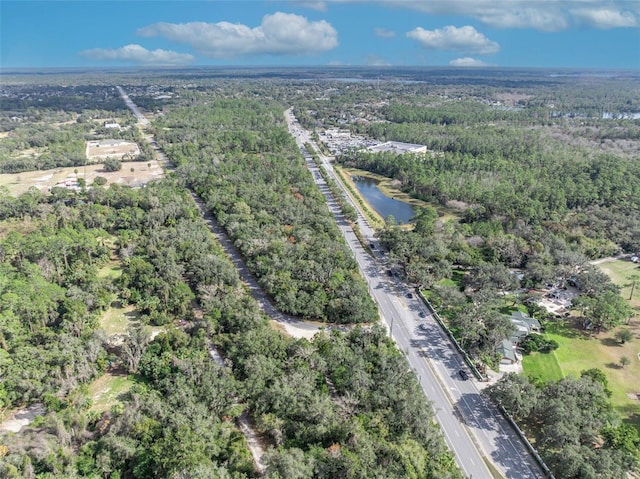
pixel 508 352
pixel 523 324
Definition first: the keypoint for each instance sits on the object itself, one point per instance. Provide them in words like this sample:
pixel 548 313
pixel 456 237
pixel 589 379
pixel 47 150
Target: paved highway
pixel 133 107
pixel 473 428
pixel 466 419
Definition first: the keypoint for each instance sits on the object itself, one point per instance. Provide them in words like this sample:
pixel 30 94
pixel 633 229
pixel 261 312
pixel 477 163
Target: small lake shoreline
pixel 389 187
pixel 384 204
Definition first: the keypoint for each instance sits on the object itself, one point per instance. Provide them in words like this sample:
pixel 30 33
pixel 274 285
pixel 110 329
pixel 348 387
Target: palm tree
pixel 633 280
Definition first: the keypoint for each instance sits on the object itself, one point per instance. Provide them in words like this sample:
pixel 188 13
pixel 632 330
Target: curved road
pixel 221 235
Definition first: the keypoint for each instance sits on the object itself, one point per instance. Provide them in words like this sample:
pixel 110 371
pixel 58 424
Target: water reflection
pixel 384 206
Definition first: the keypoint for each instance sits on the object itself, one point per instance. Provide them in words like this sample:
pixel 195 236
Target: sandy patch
pixel 143 173
pixel 45 178
pixel 22 418
pixel 295 330
pixel 111 149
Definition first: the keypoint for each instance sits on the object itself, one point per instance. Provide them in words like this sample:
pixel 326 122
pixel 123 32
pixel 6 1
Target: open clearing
pixel 143 173
pixel 620 272
pixel 111 270
pixel 111 149
pixel 117 318
pixel 106 390
pixel 542 365
pixel 580 350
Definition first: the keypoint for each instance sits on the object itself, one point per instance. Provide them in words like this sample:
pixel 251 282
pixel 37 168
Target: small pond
pixel 384 205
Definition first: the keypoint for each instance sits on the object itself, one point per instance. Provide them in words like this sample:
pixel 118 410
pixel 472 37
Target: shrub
pixel 100 181
pixel 111 164
pixel 537 342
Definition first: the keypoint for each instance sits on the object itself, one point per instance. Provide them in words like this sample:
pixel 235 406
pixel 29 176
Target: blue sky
pixel 505 33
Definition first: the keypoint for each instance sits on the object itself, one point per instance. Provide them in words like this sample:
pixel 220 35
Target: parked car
pixel 422 314
pixel 409 295
pixel 463 374
pixel 422 327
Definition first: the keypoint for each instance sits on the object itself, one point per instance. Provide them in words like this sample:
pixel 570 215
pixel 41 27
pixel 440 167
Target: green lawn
pixel 626 380
pixel 111 270
pixel 447 282
pixel 620 272
pixel 543 366
pixel 579 351
pixel 117 318
pixel 106 390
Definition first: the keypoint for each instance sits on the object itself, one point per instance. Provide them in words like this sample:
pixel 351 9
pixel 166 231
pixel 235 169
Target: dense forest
pixel 523 184
pixel 344 404
pixel 241 160
pixel 522 192
pixel 514 164
pixel 532 176
pixel 573 424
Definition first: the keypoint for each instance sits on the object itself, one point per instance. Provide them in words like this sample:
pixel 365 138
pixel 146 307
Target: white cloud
pixel 523 17
pixel 605 18
pixel 384 33
pixel 464 39
pixel 540 15
pixel 545 15
pixel 138 54
pixel 375 60
pixel 279 34
pixel 320 6
pixel 468 62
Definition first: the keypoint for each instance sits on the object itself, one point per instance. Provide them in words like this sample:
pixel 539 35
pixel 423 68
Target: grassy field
pixel 456 280
pixel 620 272
pixel 542 366
pixel 105 390
pixel 579 351
pixel 627 378
pixel 111 270
pixel 117 318
pixel 18 183
pixel 448 282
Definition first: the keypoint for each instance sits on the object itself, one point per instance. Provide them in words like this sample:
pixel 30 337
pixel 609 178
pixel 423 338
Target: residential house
pixel 507 351
pixel 523 325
